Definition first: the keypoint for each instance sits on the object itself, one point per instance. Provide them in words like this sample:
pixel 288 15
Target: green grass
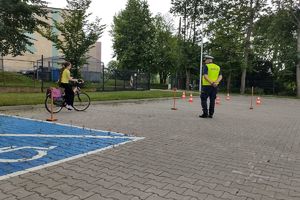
pixel 17 80
pixel 10 99
pixel 13 79
pixel 9 79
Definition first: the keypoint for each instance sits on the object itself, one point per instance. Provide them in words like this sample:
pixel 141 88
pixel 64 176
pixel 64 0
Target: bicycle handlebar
pixel 79 83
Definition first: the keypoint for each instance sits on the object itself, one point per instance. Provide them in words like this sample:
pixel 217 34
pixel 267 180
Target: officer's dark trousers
pixel 211 93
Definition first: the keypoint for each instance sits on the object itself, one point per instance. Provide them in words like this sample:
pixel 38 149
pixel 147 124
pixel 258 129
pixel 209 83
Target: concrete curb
pixel 31 107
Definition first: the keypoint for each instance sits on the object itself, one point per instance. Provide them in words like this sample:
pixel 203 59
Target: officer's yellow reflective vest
pixel 213 73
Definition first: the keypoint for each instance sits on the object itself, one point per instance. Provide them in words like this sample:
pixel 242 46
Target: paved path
pixel 241 154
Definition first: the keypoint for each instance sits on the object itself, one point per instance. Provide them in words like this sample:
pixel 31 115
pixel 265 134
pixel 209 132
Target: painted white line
pixel 117 135
pixel 237 172
pixel 63 160
pixel 67 136
pixel 66 125
pixel 250 175
pixel 41 152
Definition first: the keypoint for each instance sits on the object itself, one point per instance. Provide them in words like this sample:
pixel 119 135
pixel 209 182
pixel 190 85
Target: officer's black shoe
pixel 210 116
pixel 203 116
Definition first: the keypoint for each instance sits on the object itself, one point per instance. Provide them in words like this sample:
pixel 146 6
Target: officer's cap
pixel 205 57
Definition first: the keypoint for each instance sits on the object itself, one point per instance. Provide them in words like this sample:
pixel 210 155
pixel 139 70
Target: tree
pixel 189 34
pixel 133 34
pixel 76 35
pixel 191 13
pixel 165 48
pixel 18 19
pixel 113 65
pixel 253 8
pixel 226 37
pixel 257 37
pixel 239 14
pixel 275 41
pixel 293 8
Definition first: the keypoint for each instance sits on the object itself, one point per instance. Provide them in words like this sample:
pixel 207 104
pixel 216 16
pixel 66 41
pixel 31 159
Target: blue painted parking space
pixel 27 145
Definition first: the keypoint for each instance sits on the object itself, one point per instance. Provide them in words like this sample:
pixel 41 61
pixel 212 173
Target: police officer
pixel 210 81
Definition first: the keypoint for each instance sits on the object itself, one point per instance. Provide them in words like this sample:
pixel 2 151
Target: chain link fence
pixel 17 73
pixel 36 75
pixel 261 86
pixel 116 80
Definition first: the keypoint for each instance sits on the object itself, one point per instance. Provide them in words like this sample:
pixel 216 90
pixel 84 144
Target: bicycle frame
pixel 81 101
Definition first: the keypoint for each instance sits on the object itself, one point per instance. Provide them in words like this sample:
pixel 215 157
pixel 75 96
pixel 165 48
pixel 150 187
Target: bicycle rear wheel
pixel 81 101
pixel 55 108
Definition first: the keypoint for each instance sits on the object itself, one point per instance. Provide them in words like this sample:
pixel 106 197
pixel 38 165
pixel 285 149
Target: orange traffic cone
pixel 191 98
pixel 258 101
pixel 183 95
pixel 218 100
pixel 227 97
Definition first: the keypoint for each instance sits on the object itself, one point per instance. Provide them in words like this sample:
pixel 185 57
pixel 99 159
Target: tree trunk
pixel 298 62
pixel 194 21
pixel 1 64
pixel 165 78
pixel 184 21
pixel 188 77
pixel 247 45
pixel 228 83
pixel 298 79
pixel 161 79
pixel 243 81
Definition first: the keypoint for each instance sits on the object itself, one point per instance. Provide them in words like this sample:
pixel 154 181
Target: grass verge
pixel 11 99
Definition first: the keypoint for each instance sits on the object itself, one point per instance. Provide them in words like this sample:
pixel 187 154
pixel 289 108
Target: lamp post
pixel 201 56
pixel 102 66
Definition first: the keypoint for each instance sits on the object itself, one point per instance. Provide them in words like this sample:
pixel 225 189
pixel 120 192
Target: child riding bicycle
pixel 65 82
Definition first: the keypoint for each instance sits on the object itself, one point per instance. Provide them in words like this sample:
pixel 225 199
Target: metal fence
pixel 13 72
pixel 39 74
pixel 45 72
pixel 261 86
pixel 1 64
pixel 50 68
pixel 114 80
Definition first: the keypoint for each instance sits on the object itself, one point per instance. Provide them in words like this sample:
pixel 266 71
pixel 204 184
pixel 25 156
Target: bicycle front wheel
pixel 81 101
pixel 55 108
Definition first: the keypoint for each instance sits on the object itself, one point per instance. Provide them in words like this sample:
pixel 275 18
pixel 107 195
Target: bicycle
pixel 81 100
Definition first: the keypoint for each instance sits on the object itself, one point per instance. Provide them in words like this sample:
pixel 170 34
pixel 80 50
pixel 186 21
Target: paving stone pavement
pixel 240 154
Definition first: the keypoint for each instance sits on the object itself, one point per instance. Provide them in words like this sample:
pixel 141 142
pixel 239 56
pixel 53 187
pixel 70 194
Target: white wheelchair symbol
pixel 41 152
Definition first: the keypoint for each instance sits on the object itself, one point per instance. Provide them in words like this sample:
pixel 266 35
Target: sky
pixel 106 10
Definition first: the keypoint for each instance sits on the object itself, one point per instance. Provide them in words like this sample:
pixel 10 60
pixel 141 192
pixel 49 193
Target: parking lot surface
pixel 240 154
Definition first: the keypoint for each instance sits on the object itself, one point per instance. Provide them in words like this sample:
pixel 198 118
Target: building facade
pixel 44 48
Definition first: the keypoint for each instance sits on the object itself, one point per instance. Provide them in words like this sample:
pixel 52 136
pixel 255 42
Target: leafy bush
pixel 256 90
pixel 159 86
pixel 287 93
